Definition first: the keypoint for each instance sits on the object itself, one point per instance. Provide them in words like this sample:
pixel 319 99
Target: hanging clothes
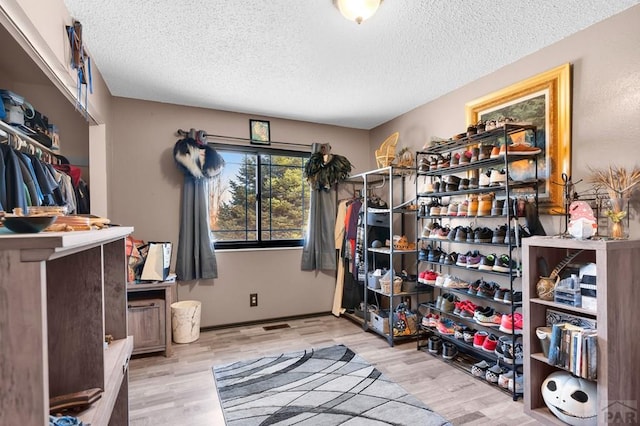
pixel 323 171
pixel 339 237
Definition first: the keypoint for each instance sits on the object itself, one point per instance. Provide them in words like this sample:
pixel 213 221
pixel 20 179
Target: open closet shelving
pixel 391 184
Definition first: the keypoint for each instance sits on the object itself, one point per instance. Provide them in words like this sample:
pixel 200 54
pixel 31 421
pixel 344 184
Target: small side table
pixel 149 319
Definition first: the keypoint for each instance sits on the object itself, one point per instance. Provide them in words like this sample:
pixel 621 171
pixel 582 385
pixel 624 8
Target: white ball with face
pixel 571 399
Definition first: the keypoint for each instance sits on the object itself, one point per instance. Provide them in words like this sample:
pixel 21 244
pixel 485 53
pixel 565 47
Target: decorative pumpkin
pixel 571 399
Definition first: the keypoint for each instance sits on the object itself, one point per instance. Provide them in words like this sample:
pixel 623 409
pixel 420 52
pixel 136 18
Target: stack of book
pixel 574 348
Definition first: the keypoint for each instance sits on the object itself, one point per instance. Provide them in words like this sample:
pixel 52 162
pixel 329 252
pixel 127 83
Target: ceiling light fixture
pixel 357 10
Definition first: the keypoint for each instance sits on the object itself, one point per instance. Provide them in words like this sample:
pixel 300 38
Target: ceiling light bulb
pixel 358 10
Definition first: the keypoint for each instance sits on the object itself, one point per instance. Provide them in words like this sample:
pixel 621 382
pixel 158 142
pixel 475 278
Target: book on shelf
pixel 574 349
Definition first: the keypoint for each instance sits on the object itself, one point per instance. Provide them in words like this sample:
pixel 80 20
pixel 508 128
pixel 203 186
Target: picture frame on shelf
pixel 544 101
pixel 260 133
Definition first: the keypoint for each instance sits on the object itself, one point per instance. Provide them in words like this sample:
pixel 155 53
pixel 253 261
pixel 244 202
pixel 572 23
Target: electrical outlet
pixel 253 299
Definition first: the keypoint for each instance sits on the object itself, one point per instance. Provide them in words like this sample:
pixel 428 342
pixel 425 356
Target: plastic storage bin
pixel 185 321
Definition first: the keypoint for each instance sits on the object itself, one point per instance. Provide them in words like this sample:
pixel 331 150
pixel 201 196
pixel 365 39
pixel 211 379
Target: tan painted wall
pixel 145 192
pixel 606 100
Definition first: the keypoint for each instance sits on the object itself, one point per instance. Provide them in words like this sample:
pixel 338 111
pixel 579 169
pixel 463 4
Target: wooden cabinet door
pixel 147 324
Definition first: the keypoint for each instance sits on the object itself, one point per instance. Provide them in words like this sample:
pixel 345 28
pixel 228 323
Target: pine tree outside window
pixel 261 199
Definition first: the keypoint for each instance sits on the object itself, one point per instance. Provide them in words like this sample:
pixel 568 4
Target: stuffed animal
pixel 582 223
pixel 571 399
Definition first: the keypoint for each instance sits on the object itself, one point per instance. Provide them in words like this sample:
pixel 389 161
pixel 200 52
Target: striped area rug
pixel 326 386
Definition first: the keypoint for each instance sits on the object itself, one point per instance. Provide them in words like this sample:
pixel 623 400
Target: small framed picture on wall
pixel 260 133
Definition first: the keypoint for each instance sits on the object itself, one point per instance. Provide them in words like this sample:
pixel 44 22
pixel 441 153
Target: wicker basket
pixel 385 285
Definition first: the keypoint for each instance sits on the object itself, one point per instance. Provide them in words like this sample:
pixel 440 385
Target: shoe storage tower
pixel 468 355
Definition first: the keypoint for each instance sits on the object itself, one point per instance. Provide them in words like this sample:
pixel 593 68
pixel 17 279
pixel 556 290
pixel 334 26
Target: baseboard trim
pixel 264 321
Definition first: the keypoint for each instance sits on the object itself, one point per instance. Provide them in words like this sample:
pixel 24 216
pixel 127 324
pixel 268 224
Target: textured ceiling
pixel 300 59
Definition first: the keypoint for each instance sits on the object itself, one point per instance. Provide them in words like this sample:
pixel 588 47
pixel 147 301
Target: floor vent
pixel 275 327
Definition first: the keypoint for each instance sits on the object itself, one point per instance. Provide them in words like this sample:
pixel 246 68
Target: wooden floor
pixel 181 390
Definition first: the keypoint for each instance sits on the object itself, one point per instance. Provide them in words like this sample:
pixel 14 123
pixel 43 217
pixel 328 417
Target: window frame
pixel 259 243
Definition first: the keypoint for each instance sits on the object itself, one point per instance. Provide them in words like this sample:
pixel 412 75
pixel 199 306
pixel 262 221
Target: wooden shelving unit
pixel 618 294
pixel 60 293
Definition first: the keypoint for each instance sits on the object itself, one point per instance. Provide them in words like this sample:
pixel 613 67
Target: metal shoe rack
pixel 467 354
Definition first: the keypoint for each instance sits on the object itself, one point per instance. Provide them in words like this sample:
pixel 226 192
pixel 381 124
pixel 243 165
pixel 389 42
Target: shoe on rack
pixel 474 260
pixel 449 350
pixel 485 152
pixel 497 177
pixel 473 205
pixel 445 326
pixel 452 209
pixel 479 338
pixel 443 256
pixel 504 264
pixel 455 282
pixel 516 383
pixel 474 286
pixel 511 323
pixel 479 369
pixel 487 262
pixel 497 207
pixel 451 258
pixel 485 202
pixel 492 320
pixel 519 149
pixel 468 310
pixel 499 294
pixel 512 297
pixel 483 235
pixel 448 302
pixel 435 344
pixel 495 152
pixel 490 343
pixel 503 379
pixel 439 282
pixel 430 277
pixel 468 335
pixel 498 234
pixel 434 255
pixel 484 180
pixel 461 234
pixel 455 160
pixel 462 259
pixel 494 373
pixel 464 184
pixel 488 289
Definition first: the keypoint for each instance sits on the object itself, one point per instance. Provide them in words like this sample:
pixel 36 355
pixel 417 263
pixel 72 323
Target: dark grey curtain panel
pixel 196 256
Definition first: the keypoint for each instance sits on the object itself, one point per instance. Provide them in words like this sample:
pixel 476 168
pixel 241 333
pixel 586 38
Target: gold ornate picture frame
pixel 545 101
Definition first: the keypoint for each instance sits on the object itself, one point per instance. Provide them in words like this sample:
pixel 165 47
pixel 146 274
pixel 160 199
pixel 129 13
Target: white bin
pixel 185 321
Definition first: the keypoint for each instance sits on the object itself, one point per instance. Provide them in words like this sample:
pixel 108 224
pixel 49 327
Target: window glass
pixel 261 199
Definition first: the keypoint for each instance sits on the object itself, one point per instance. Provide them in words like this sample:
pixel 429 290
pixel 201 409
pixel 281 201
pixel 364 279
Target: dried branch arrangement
pixel 620 184
pixel 618 181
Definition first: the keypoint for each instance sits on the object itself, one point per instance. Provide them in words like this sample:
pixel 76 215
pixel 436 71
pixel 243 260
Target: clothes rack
pixel 193 134
pixel 21 142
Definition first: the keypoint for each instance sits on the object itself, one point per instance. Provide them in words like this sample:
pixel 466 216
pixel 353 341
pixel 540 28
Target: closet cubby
pixel 60 294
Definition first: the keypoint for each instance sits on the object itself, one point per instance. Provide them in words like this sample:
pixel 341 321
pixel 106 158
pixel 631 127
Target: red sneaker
pixel 479 338
pixel 511 324
pixel 490 343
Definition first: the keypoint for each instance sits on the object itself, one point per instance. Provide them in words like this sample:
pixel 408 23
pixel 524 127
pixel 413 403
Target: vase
pixel 617 210
pixel 546 286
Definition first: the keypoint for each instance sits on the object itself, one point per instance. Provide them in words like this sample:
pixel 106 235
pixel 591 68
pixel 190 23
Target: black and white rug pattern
pixel 326 386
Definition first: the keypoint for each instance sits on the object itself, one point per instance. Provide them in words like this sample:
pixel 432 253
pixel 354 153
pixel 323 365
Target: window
pixel 261 198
